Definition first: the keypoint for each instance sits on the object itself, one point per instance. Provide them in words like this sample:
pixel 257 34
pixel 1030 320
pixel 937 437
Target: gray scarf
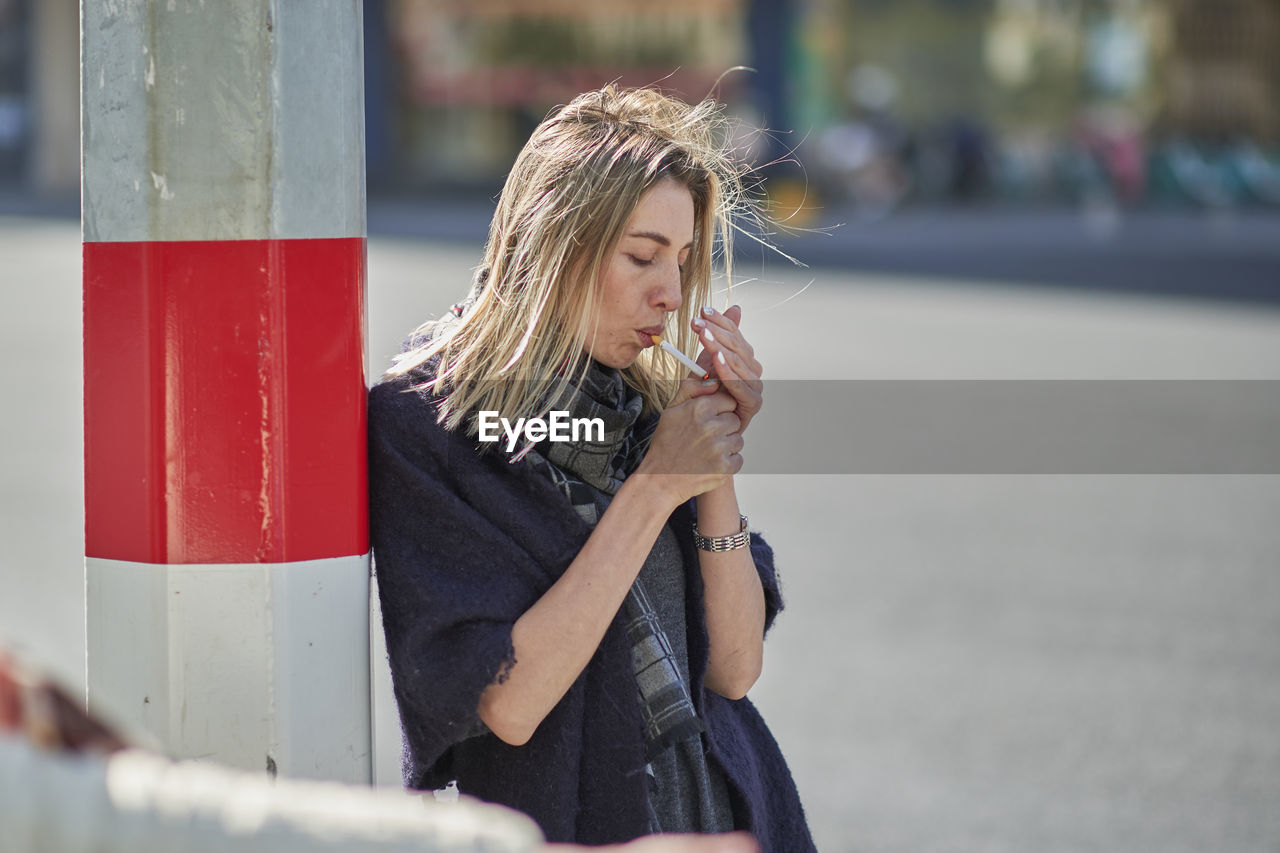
pixel 587 471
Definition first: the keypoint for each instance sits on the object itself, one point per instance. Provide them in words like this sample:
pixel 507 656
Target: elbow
pixel 513 729
pixel 738 689
pixel 733 682
pixel 510 732
pixel 731 690
pixel 731 694
pixel 513 735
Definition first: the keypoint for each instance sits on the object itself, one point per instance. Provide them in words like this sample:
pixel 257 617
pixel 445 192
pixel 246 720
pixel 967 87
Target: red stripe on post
pixel 225 401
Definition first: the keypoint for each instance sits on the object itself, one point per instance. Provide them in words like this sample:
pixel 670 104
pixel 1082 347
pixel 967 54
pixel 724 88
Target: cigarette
pixel 679 356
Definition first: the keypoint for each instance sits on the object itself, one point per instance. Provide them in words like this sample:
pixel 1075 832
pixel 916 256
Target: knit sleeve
pixel 451 578
pixel 762 554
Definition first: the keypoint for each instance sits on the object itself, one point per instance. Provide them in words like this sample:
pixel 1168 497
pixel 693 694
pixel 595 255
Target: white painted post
pixel 225 473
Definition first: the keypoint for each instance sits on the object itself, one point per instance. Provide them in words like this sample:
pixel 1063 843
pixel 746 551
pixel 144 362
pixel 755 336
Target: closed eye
pixel 640 262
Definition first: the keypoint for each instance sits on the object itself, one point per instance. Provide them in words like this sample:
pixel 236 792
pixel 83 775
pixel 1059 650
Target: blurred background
pixel 1071 141
pixel 1134 102
pixel 981 189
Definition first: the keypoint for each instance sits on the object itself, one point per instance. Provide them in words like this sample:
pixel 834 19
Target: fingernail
pixel 720 358
pixel 707 383
pixel 708 310
pixel 699 323
pixel 711 339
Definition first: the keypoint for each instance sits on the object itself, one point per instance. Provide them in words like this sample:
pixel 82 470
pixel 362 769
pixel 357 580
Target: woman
pixel 563 637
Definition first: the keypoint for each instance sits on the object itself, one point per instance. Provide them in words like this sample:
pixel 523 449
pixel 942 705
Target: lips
pixel 646 334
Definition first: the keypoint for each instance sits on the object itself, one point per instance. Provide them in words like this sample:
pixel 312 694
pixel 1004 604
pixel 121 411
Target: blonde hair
pixel 523 334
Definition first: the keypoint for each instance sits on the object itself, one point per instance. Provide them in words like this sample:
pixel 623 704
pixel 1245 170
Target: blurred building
pixel 472 78
pixel 891 99
pixel 1223 78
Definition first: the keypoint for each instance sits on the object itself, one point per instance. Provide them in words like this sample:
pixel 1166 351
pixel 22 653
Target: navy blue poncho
pixel 465 543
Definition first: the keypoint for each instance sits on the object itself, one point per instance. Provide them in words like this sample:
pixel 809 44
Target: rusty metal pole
pixel 226 529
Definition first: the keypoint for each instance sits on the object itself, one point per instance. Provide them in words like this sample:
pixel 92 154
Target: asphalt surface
pixel 1220 255
pixel 982 662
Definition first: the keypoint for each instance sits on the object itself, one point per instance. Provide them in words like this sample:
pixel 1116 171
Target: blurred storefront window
pixel 882 102
pixel 475 77
pixel 1107 102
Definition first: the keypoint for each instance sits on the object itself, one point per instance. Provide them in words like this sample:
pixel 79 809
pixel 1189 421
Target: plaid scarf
pixel 583 470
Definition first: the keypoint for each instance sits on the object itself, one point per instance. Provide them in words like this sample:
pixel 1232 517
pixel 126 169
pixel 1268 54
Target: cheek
pixel 621 294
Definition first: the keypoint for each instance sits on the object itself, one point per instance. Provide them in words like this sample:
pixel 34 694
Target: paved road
pixel 967 662
pixel 1224 255
pixel 1228 255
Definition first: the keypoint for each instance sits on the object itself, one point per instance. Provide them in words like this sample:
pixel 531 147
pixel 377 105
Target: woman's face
pixel 641 282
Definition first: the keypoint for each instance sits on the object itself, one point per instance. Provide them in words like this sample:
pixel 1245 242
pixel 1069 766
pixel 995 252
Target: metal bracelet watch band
pixel 723 543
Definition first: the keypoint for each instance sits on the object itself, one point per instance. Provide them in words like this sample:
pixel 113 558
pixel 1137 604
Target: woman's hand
pixel 727 355
pixel 697 445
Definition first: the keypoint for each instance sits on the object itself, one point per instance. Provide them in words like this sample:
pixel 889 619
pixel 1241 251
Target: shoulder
pixel 409 449
pixel 397 397
pixel 402 412
pixel 408 443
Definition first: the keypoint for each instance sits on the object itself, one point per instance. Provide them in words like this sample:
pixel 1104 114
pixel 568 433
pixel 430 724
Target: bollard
pixel 226 530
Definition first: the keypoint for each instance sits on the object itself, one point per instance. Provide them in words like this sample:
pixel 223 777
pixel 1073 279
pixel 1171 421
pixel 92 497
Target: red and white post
pixel 226 531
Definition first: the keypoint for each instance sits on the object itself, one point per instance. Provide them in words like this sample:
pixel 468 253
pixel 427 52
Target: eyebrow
pixel 657 238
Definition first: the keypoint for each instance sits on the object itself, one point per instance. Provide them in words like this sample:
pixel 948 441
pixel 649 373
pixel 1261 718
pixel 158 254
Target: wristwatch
pixel 723 543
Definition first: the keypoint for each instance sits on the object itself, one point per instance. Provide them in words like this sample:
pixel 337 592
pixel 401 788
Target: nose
pixel 667 293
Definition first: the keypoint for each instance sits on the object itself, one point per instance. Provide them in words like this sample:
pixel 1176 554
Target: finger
pixel 748 394
pixel 692 388
pixel 734 314
pixel 723 334
pixel 716 320
pixel 724 369
pixel 727 423
pixel 704 357
pixel 720 340
pixel 704 360
pixel 742 370
pixel 741 393
pixel 716 404
pixel 733 443
pixel 727 320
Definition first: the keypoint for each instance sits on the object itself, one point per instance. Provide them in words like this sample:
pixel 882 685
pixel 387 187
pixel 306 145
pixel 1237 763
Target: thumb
pixel 693 387
pixel 734 313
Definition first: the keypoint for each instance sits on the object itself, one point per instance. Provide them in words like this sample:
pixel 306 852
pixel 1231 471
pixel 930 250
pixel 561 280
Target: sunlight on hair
pixel 522 334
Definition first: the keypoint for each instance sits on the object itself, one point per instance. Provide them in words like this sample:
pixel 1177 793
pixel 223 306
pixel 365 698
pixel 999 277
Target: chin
pixel 617 360
pixel 620 363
